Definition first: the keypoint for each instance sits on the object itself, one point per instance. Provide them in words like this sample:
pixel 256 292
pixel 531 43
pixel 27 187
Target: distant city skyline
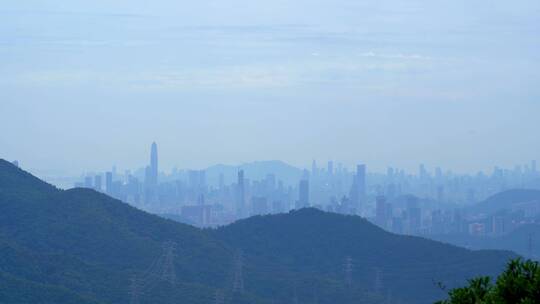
pixel 411 167
pixel 422 202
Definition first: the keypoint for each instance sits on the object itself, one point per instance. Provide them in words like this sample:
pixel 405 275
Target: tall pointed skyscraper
pixel 153 174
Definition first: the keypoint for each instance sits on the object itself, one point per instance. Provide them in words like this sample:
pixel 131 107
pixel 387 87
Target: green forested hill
pixel 80 246
pixel 94 245
pixel 311 241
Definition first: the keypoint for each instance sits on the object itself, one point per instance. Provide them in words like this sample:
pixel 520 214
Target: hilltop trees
pixel 519 284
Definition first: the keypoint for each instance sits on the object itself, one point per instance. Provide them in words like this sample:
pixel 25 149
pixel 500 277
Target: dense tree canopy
pixel 518 284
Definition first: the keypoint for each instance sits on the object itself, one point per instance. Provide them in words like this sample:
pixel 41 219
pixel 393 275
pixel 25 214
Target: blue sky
pixel 85 84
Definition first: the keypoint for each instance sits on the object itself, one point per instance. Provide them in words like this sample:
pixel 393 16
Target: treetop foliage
pixel 518 284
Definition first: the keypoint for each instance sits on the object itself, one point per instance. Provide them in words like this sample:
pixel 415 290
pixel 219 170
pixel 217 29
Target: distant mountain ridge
pixel 507 200
pixel 80 246
pixel 257 170
pixel 523 241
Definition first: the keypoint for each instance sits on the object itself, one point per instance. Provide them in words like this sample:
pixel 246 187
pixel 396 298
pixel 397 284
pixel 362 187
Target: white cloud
pixel 341 71
pixel 394 56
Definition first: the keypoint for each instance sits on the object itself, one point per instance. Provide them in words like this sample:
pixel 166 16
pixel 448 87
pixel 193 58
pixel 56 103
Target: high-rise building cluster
pixel 428 202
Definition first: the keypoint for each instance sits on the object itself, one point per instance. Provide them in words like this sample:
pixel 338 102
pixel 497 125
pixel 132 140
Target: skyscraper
pixel 153 172
pixel 361 173
pixel 414 216
pixel 533 166
pixel 358 189
pixel 197 180
pixel 109 182
pixel 241 195
pixel 382 212
pixel 303 195
pixel 330 169
pixel 259 205
pixel 221 181
pixel 97 183
pixel 88 182
pixel 151 176
pixel 438 173
pixel 422 172
pixel 440 194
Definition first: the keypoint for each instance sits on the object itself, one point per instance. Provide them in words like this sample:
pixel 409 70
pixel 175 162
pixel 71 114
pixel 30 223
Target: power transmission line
pixel 238 276
pixel 348 268
pixel 219 297
pixel 135 291
pixel 161 270
pixel 377 282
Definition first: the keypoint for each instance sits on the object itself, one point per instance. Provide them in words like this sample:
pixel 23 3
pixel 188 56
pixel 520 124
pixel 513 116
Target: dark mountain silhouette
pixel 91 245
pixel 312 241
pixel 508 200
pixel 80 246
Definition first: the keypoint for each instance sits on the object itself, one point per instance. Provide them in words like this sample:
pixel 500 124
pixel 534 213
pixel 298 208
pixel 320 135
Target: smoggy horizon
pixel 453 84
pixel 321 164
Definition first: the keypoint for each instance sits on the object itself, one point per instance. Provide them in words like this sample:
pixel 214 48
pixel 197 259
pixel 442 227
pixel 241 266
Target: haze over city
pixel 451 84
pixel 269 152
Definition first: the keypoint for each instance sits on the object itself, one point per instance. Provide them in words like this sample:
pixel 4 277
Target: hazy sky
pixel 88 84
